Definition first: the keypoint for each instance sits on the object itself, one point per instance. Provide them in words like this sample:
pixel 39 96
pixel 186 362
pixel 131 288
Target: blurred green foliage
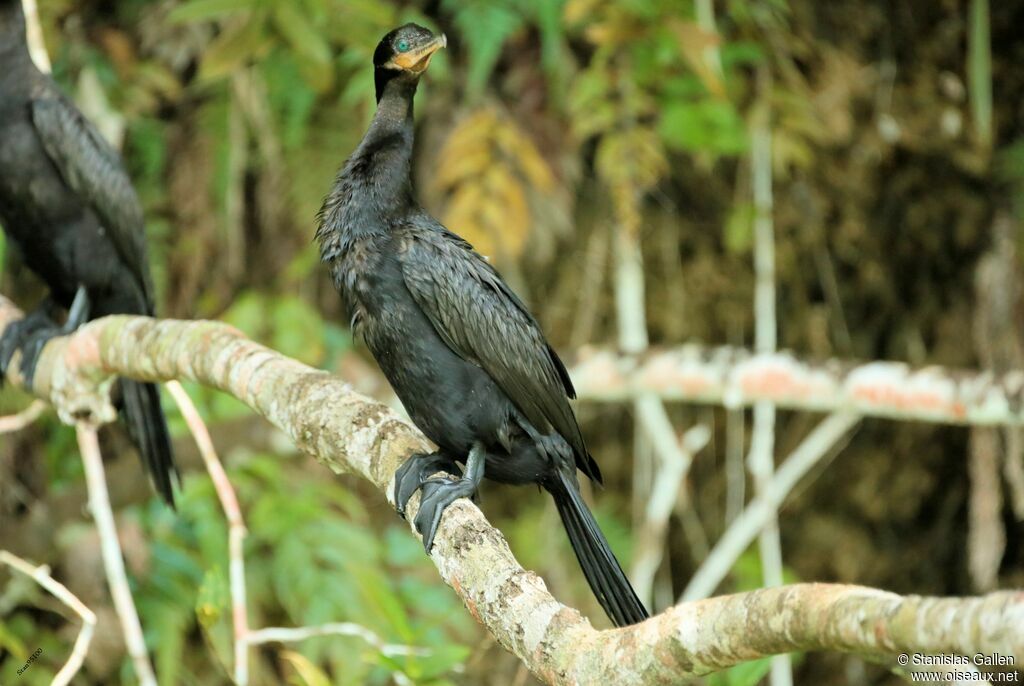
pixel 544 122
pixel 313 557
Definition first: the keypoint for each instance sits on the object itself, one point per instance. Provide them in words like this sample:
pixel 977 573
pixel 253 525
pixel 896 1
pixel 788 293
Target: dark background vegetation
pixel 545 127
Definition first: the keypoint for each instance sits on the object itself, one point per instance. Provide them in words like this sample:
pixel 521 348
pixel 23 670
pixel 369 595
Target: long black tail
pixel 602 570
pixel 147 429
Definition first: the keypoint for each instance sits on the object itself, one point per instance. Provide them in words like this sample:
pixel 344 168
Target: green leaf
pixel 739 228
pixel 743 674
pixel 213 597
pixel 741 53
pixel 292 97
pixel 300 34
pixel 979 70
pixel 548 17
pixel 591 103
pixel 10 642
pixel 709 124
pixel 441 661
pixel 310 674
pixel 247 313
pixel 148 148
pixel 298 330
pixel 168 625
pixel 235 47
pixel 485 26
pixel 202 10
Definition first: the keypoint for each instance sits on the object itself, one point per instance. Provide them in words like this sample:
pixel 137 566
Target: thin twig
pixel 762 442
pixel 735 473
pixel 236 525
pixel 289 635
pixel 41 575
pixel 34 36
pixel 113 562
pixel 630 309
pixel 286 635
pixel 705 10
pixel 244 638
pixel 652 417
pixel 21 420
pixel 764 506
pixel 735 467
pixel 591 287
pixel 674 460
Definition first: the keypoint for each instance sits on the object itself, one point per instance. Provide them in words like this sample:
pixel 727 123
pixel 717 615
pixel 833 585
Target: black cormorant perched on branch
pixel 463 353
pixel 69 208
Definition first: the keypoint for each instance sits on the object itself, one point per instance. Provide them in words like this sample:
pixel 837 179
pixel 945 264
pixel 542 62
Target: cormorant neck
pixel 375 185
pixel 395 95
pixel 386 149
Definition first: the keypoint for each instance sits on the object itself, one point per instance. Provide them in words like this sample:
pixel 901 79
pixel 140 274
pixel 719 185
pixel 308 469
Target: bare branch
pixel 763 508
pixel 675 458
pixel 284 635
pixel 41 575
pixel 735 377
pixel 761 460
pixel 21 420
pixel 34 35
pixel 113 562
pixel 236 526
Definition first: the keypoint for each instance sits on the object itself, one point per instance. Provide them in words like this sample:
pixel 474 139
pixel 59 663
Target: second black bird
pixel 69 208
pixel 463 353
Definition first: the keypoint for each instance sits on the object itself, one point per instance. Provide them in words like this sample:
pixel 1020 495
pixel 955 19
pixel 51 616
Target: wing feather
pixel 93 169
pixel 479 317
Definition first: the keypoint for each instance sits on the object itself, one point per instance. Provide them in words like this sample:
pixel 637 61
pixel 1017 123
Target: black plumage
pixel 69 209
pixel 463 353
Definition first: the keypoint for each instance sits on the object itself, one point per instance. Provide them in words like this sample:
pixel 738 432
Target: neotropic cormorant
pixel 463 353
pixel 69 208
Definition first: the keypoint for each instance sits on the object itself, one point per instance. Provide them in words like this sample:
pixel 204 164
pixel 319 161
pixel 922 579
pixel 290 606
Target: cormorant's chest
pixel 368 274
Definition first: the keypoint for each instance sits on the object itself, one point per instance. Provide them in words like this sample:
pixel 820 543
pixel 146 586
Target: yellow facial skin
pixel 417 60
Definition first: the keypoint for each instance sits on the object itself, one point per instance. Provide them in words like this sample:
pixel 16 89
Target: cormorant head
pixel 404 54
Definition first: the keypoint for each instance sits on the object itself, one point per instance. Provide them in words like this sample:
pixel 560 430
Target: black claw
pixel 401 477
pixel 438 494
pixel 78 314
pixel 9 342
pixel 20 334
pixel 32 333
pixel 414 473
pixel 30 350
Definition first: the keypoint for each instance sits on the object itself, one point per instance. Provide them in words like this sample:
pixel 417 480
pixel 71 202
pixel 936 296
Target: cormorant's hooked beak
pixel 417 59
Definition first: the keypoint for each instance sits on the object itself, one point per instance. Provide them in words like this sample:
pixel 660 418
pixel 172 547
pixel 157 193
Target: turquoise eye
pixel 403 45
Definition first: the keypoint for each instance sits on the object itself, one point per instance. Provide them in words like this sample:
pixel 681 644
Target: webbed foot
pixel 438 494
pixel 415 472
pixel 17 333
pixel 39 330
pixel 31 347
